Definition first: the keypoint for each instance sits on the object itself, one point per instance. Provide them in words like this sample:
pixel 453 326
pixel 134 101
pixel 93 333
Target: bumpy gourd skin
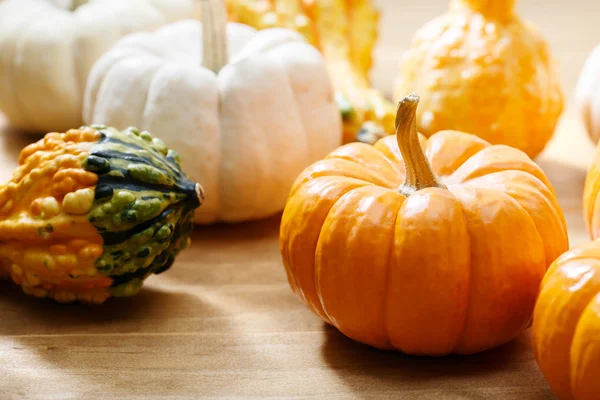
pixel 92 212
pixel 345 32
pixel 481 69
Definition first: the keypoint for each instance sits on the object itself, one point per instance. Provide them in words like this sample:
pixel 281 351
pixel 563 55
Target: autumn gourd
pixel 48 47
pixel 92 212
pixel 247 110
pixel 587 99
pixel 566 324
pixel 428 246
pixel 481 69
pixel 345 32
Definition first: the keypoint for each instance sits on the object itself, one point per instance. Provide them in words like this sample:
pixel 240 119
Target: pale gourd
pixel 247 110
pixel 587 94
pixel 48 47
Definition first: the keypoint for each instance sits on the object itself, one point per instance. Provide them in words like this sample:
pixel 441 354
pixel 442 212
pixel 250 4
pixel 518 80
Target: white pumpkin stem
pixel 419 174
pixel 214 34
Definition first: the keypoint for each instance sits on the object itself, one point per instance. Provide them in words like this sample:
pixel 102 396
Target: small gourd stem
pixel 492 9
pixel 213 14
pixel 419 174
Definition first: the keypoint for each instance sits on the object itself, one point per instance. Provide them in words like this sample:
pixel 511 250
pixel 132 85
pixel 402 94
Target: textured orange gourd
pixel 481 69
pixel 345 32
pixel 566 324
pixel 92 212
pixel 428 246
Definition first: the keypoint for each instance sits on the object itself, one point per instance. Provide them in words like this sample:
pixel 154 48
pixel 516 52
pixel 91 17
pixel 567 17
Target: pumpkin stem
pixel 213 14
pixel 491 9
pixel 418 171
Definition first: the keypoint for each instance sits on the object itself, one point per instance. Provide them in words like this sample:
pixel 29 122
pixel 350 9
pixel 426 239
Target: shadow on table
pixel 342 353
pixel 360 366
pixel 26 315
pixel 236 233
pixel 226 254
pixel 90 346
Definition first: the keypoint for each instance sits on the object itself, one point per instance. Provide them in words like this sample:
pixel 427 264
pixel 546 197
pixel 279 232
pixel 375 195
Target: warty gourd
pixel 92 212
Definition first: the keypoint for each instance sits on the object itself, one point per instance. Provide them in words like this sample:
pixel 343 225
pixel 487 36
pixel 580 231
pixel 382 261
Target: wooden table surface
pixel 223 322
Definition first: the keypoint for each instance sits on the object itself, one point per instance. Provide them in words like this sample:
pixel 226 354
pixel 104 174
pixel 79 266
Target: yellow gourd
pixel 345 32
pixel 481 69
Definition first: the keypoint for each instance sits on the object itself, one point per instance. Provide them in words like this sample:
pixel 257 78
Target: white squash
pixel 587 94
pixel 47 48
pixel 245 131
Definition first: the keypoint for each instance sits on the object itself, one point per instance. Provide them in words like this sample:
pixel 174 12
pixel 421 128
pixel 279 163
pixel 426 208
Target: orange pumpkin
pixel 591 200
pixel 427 246
pixel 566 324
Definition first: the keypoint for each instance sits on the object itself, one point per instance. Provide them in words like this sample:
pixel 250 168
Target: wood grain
pixel 223 322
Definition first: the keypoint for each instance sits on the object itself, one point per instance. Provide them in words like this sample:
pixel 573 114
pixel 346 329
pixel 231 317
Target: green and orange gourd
pixel 92 212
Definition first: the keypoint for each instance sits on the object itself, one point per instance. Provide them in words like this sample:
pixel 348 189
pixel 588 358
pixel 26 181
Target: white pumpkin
pixel 246 131
pixel 587 94
pixel 47 48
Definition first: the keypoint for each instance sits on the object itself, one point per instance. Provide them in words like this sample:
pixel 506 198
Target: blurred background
pixel 572 31
pixel 567 25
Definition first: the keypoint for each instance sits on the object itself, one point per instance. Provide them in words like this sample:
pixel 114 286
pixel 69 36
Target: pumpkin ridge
pixel 317 268
pixel 150 87
pixel 286 73
pixel 446 136
pixel 546 194
pixel 563 265
pixel 387 280
pixel 461 349
pixel 545 262
pixel 524 164
pixel 392 163
pixel 463 330
pixel 381 181
pixel 293 267
pixel 572 359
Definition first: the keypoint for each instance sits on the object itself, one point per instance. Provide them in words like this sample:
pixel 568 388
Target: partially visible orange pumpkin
pixel 591 200
pixel 566 324
pixel 428 246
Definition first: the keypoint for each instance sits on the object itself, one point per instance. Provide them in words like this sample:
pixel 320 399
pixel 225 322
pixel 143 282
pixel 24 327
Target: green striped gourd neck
pixel 143 207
